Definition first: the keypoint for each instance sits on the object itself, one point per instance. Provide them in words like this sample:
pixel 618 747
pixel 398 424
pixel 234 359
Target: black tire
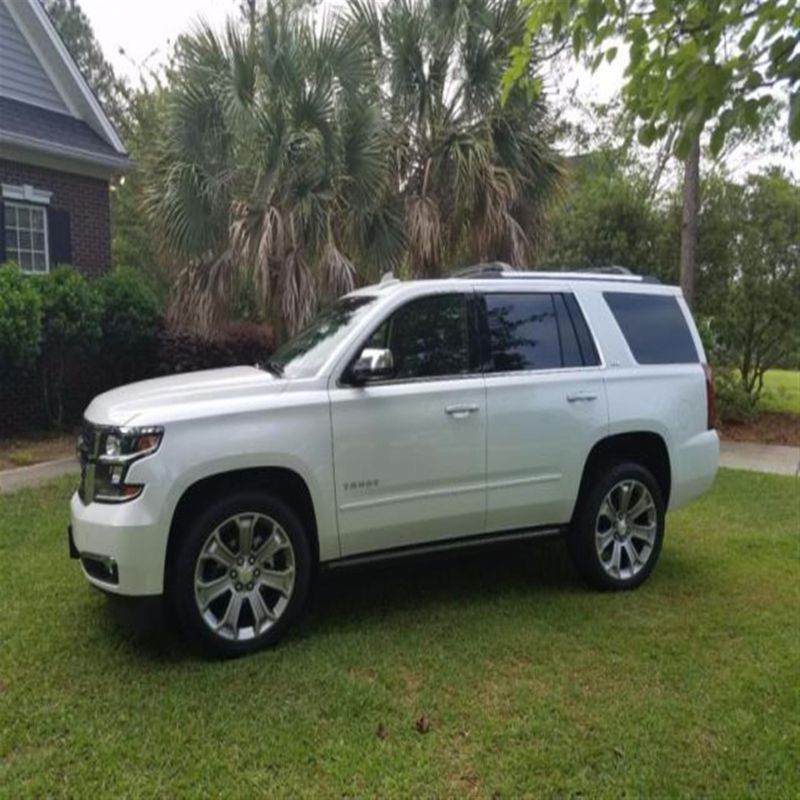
pixel 582 541
pixel 182 576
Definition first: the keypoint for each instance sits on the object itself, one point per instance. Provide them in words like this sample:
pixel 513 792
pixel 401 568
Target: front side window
pixel 428 337
pixel 523 332
pixel 26 236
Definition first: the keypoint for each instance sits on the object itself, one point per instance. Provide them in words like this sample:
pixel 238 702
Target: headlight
pixel 113 445
pixel 123 445
pixel 106 468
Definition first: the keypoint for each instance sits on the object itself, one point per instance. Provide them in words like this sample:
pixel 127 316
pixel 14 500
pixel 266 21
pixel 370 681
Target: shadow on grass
pixel 377 595
pixel 469 578
pixel 373 595
pixel 145 627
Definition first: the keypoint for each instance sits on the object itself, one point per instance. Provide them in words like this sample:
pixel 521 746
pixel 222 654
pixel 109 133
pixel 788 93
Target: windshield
pixel 304 354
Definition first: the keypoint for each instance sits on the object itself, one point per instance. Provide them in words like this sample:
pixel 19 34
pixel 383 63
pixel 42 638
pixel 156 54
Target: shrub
pixel 247 342
pixel 70 327
pixel 71 310
pixel 20 319
pixel 734 402
pixel 130 323
pixel 236 343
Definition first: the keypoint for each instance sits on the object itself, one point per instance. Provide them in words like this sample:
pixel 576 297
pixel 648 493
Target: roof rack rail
pixel 494 269
pixel 498 269
pixel 612 269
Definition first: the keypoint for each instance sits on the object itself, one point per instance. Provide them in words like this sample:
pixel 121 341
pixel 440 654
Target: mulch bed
pixel 768 428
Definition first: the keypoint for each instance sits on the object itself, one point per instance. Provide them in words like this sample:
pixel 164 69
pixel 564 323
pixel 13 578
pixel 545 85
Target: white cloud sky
pixel 145 29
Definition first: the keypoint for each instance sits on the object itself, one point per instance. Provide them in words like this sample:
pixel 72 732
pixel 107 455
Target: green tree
pixel 608 217
pixel 693 65
pixel 133 244
pixel 474 176
pixel 265 168
pixel 756 323
pixel 293 151
pixel 76 31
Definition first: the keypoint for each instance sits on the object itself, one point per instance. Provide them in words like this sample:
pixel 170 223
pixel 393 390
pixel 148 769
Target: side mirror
pixel 372 364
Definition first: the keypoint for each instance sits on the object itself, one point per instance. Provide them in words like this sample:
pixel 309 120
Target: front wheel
pixel 616 536
pixel 241 573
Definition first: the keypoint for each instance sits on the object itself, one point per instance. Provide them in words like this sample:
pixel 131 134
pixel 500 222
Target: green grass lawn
pixel 533 685
pixel 782 391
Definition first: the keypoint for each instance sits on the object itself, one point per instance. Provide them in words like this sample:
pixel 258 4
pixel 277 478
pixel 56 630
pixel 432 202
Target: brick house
pixel 58 151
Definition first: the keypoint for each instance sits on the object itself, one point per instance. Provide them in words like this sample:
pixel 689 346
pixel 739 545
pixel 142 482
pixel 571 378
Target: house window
pixel 26 236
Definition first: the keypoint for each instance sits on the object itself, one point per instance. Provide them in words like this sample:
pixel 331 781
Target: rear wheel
pixel 241 573
pixel 618 530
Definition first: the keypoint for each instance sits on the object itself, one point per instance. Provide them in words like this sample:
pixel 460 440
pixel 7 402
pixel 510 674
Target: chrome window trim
pixel 405 381
pixel 548 371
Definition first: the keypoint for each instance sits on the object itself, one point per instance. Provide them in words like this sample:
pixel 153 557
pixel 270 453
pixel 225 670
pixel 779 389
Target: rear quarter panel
pixel 666 399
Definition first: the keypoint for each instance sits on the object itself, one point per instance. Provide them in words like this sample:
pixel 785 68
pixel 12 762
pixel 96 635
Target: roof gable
pixel 37 69
pixel 22 76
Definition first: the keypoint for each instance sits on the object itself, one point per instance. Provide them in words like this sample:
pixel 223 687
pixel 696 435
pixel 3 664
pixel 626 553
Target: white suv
pixel 411 416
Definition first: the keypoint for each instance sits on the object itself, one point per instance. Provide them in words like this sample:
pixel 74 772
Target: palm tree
pixel 266 170
pixel 296 148
pixel 474 175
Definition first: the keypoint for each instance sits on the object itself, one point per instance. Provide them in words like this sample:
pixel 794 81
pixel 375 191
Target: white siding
pixel 22 77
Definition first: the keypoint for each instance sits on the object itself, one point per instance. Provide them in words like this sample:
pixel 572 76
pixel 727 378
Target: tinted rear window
pixel 654 327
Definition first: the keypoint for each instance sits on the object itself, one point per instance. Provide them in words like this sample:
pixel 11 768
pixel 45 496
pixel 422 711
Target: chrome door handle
pixel 581 397
pixel 461 410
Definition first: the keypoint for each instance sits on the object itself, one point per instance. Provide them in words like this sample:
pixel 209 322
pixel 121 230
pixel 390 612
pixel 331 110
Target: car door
pixel 546 406
pixel 410 450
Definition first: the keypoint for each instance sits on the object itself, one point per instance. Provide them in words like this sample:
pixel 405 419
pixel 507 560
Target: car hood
pixel 189 395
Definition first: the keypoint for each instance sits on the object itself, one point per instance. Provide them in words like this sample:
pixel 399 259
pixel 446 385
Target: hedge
pixel 20 319
pixel 84 337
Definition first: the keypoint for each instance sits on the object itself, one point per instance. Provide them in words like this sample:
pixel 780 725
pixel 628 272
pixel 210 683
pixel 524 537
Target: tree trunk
pixel 691 206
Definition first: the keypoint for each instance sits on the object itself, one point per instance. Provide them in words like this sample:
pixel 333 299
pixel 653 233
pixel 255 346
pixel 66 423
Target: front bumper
pixel 122 550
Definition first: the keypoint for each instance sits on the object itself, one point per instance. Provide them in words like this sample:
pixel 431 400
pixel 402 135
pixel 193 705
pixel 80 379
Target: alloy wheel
pixel 626 529
pixel 244 576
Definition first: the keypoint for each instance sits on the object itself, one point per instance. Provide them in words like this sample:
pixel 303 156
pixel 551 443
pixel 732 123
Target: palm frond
pixel 360 23
pixel 424 235
pixel 201 294
pixel 297 291
pixel 337 273
pixel 375 137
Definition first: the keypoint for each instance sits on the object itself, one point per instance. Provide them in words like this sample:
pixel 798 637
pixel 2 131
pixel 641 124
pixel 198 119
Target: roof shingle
pixel 52 129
